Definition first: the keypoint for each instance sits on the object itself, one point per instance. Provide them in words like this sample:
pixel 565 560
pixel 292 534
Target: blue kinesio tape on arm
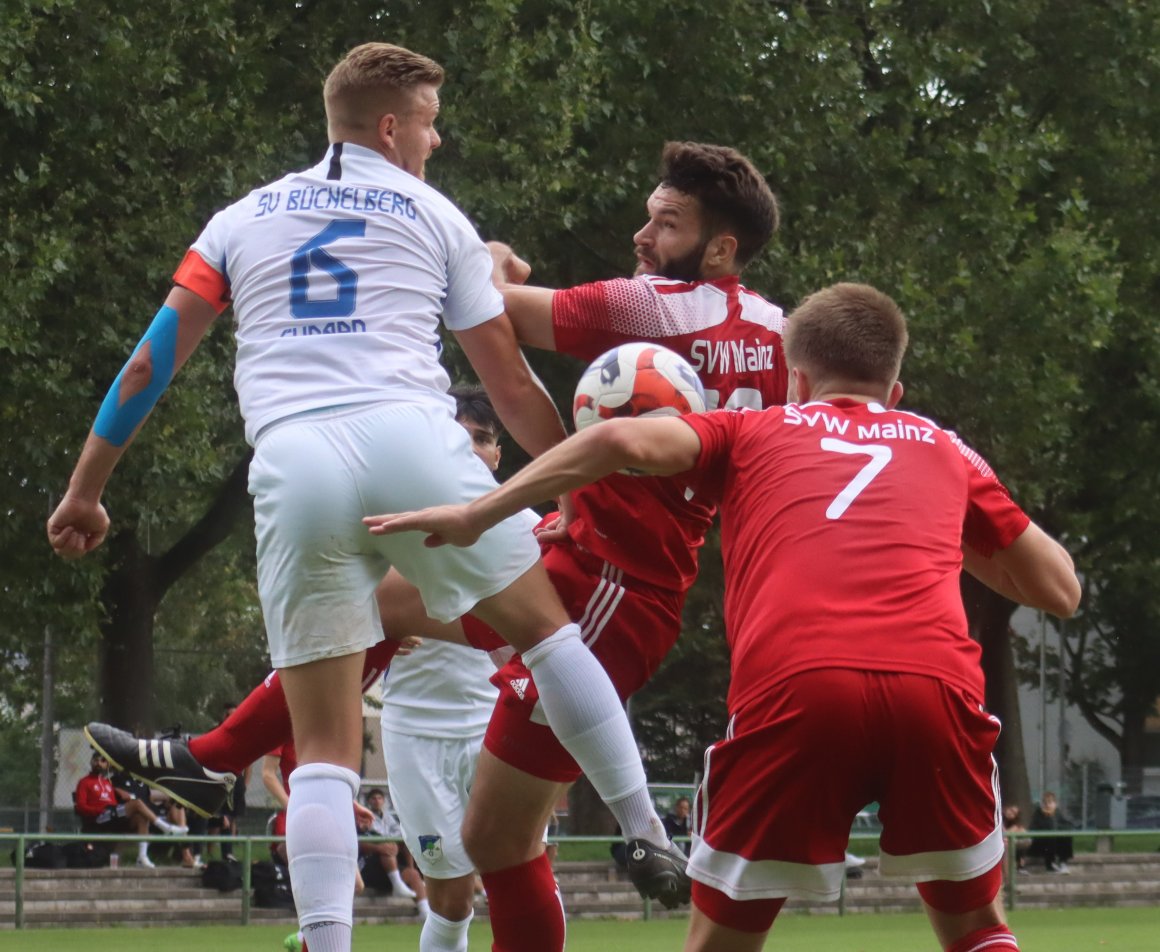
pixel 116 421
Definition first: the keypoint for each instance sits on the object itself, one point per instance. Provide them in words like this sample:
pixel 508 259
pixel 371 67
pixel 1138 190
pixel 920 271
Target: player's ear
pixel 721 251
pixel 895 395
pixel 386 129
pixel 498 454
pixel 799 386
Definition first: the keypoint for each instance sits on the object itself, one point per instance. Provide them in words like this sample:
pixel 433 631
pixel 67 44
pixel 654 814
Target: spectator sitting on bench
pixel 1057 850
pixel 105 809
pixel 388 863
pixel 162 805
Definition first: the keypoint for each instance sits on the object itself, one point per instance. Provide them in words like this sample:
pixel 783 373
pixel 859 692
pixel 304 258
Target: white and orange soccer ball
pixel 637 380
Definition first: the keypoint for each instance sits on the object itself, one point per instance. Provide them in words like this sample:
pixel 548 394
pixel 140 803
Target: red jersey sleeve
pixel 993 520
pixel 197 275
pixel 717 430
pixel 591 318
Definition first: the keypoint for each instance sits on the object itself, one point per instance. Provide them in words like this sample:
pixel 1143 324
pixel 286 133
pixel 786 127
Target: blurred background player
pixel 437 700
pixel 356 420
pixel 277 766
pixel 226 820
pixel 845 527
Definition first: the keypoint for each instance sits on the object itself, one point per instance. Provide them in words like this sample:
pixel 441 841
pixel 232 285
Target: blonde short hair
pixel 372 80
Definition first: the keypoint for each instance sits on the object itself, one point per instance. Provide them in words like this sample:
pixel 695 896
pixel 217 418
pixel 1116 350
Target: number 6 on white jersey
pixel 879 457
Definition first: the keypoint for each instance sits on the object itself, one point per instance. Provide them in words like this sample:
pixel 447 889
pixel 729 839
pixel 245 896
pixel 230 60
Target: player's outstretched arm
pixel 80 522
pixel 524 406
pixel 660 446
pixel 1034 570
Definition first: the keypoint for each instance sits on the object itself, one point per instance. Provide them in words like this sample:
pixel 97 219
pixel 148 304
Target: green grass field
pixel 1053 930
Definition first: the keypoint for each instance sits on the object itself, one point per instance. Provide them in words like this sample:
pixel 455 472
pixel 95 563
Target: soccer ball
pixel 637 380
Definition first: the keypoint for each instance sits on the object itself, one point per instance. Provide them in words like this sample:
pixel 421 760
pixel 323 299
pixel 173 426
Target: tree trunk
pixel 1132 753
pixel 130 599
pixel 587 814
pixel 989 618
pixel 133 590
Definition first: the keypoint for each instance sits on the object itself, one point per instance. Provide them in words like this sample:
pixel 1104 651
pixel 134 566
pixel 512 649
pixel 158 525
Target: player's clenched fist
pixel 77 527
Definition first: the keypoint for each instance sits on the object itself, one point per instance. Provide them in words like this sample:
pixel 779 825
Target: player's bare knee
pixel 526 612
pixel 492 848
pixel 453 899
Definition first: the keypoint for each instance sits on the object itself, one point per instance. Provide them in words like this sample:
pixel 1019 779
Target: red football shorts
pixel 780 793
pixel 630 627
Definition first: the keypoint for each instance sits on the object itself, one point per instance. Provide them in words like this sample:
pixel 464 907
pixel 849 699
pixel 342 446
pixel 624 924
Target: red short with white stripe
pixel 630 627
pixel 774 812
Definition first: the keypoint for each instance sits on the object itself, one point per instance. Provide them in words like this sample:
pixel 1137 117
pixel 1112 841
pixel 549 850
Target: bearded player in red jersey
pixel 629 555
pixel 845 526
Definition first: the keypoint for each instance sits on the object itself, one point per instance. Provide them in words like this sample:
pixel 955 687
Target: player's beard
pixel 687 267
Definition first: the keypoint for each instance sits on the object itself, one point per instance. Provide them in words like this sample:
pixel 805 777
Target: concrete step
pixel 48 889
pixel 586 871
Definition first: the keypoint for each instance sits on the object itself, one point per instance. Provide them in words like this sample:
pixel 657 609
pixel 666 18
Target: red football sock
pixel 261 722
pixel 524 905
pixel 257 726
pixel 988 939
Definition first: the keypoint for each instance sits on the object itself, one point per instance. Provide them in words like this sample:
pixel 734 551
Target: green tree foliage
pixel 122 132
pixel 991 165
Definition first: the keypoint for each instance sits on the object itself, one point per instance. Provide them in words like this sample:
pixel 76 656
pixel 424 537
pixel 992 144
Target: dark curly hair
pixel 734 196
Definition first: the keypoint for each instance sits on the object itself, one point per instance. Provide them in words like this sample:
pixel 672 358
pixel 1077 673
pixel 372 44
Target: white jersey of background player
pixel 437 702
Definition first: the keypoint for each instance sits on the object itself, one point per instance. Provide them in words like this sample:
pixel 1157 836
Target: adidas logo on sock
pixel 520 686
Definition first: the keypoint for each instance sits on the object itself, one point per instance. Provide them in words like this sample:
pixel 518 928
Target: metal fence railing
pixel 245 845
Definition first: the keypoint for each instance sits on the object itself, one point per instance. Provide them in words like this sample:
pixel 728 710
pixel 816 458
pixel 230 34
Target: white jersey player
pixel 338 276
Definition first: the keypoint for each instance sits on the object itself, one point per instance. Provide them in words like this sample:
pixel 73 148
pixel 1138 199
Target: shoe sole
pixel 671 889
pixel 671 898
pixel 148 781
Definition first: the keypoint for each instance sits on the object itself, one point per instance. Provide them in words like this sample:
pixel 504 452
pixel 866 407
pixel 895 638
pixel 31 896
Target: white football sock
pixel 586 716
pixel 444 935
pixel 323 851
pixel 638 818
pixel 398 887
pixel 327 936
pixel 424 908
pixel 142 850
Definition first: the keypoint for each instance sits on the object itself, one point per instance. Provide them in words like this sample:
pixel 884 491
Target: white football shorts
pixel 430 779
pixel 313 478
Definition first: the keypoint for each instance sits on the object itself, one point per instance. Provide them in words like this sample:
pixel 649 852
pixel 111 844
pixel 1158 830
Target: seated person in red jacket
pixel 105 809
